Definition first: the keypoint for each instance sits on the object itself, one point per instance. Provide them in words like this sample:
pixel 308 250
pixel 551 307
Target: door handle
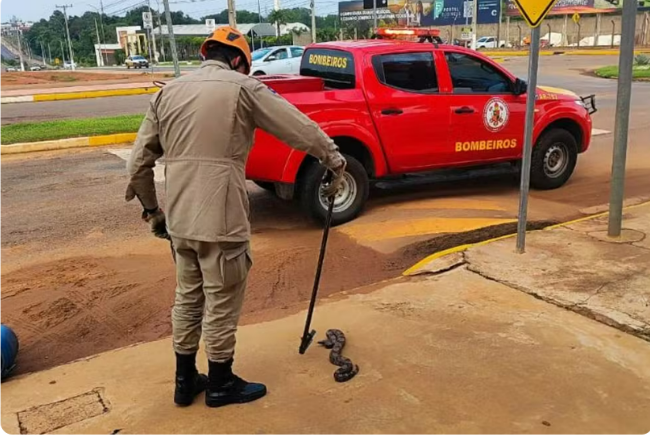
pixel 392 111
pixel 465 110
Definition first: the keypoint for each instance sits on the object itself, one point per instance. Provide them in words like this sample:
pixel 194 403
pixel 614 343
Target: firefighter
pixel 203 123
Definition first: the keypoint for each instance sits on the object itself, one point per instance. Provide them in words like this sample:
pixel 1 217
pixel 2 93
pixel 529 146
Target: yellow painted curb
pixel 95 94
pixel 62 144
pixel 461 248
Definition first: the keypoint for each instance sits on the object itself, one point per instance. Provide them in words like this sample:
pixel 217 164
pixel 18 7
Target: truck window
pixel 472 75
pixel 407 71
pixel 335 67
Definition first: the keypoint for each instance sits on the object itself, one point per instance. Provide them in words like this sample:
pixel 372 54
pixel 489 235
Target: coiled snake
pixel 335 341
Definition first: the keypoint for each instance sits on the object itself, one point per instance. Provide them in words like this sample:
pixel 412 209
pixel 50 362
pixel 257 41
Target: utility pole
pixel 232 14
pixel 622 118
pixel 99 58
pixel 474 23
pixel 313 21
pixel 20 50
pixel 67 31
pixel 172 40
pixel 259 15
pixel 101 25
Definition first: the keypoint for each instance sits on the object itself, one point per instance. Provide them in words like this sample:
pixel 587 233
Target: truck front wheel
pixel 348 202
pixel 554 159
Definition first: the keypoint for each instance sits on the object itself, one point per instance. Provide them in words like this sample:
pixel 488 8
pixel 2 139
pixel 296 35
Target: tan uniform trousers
pixel 211 279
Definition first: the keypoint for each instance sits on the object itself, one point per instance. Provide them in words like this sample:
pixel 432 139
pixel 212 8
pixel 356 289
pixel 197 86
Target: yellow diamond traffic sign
pixel 534 11
pixel 576 18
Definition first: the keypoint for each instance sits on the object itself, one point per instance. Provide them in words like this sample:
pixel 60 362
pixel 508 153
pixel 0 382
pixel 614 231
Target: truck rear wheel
pixel 554 158
pixel 350 199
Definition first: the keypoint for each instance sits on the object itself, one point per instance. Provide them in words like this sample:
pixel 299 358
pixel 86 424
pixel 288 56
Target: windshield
pixel 483 39
pixel 138 58
pixel 258 54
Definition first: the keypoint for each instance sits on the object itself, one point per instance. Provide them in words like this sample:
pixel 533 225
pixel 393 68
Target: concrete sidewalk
pixel 455 350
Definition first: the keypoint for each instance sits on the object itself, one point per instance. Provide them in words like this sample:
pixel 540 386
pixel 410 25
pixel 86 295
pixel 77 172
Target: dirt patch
pixel 43 79
pixel 76 307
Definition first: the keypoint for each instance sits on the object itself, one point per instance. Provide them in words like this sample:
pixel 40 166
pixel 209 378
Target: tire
pixel 266 185
pixel 357 185
pixel 554 158
pixel 128 67
pixel 259 73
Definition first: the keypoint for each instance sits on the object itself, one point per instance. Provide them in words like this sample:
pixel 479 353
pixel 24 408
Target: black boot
pixel 225 387
pixel 189 383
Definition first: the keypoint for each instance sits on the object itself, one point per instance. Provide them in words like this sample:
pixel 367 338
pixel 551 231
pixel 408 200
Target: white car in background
pixel 490 42
pixel 277 60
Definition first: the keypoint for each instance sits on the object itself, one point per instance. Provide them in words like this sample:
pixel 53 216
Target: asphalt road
pixel 568 72
pixel 81 274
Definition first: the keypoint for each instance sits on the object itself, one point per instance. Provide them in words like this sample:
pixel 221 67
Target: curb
pixel 62 144
pixel 604 52
pixel 413 270
pixel 79 95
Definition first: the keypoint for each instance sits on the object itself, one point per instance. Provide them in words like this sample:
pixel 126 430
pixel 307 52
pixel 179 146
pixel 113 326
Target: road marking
pixel 125 153
pixel 599 132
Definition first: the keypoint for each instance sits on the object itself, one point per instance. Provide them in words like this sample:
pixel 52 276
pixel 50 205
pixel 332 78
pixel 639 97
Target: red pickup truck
pixel 404 107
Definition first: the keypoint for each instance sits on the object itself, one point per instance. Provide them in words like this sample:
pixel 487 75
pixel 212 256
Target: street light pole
pixel 67 31
pixel 474 23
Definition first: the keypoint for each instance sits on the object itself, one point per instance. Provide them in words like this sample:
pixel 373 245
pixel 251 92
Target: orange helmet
pixel 226 35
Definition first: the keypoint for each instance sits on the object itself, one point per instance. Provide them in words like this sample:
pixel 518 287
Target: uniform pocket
pixel 236 261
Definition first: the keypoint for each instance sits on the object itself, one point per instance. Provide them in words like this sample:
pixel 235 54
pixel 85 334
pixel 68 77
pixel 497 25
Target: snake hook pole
pixel 307 335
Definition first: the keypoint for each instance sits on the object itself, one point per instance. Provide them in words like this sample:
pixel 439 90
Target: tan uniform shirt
pixel 204 125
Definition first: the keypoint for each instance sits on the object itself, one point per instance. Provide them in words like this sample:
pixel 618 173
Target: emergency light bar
pixel 424 35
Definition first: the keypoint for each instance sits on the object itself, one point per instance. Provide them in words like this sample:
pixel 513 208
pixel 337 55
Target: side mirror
pixel 519 87
pixel 270 58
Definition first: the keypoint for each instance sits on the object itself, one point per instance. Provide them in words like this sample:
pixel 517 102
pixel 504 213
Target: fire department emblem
pixel 495 114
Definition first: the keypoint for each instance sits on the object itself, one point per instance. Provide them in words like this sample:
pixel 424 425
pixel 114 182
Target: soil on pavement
pixel 47 79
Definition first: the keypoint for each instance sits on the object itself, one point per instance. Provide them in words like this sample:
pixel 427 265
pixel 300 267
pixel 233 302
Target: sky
pixel 34 10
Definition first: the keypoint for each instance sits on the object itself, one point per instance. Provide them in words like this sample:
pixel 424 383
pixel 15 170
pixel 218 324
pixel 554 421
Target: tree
pixel 279 17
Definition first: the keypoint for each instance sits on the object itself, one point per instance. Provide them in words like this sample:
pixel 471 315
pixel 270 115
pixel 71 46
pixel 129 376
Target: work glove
pixel 157 222
pixel 338 172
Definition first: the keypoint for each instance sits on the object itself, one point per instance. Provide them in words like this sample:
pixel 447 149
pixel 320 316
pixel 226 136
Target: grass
pixel 611 72
pixel 67 128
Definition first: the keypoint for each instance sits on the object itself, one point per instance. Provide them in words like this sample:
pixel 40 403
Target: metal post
pixel 533 62
pixel 499 32
pixel 232 14
pixel 597 31
pixel 49 50
pixel 152 35
pixel 313 21
pixel 67 31
pixel 565 31
pixel 162 42
pixel 550 34
pixel 341 34
pixel 611 44
pixel 172 40
pixel 507 30
pixel 474 22
pixel 355 33
pixel 374 13
pixel 622 118
pixel 578 24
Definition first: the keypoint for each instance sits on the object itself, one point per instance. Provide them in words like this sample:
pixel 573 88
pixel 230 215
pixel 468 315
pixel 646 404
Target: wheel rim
pixel 556 160
pixel 344 197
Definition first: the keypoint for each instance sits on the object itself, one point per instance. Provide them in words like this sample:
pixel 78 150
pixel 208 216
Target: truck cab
pixel 397 107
